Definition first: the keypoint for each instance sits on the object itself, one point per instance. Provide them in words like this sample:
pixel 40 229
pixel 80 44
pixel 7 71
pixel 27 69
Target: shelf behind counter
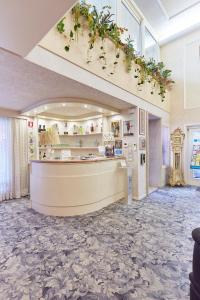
pixel 78 135
pixel 68 147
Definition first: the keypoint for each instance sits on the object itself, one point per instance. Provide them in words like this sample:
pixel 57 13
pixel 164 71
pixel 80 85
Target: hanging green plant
pixel 61 26
pixel 101 25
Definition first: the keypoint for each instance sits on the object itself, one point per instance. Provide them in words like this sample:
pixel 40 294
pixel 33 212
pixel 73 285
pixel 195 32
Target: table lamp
pixel 48 138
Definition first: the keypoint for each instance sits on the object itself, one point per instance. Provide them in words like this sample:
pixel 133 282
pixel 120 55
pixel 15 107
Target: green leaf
pixel 67 48
pixel 61 26
pixel 101 25
pixel 71 34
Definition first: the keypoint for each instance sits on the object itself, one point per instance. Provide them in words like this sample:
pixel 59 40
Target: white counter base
pixel 76 210
pixel 68 189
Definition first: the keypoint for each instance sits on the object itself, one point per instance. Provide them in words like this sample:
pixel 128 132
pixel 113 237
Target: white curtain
pixel 13 158
pixel 5 159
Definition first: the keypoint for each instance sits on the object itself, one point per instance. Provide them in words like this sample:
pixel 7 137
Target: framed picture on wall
pixel 142 143
pixel 118 144
pixel 116 128
pixel 141 121
pixel 128 128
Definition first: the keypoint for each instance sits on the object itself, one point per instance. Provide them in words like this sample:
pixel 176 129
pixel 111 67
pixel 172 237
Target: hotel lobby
pixel 99 150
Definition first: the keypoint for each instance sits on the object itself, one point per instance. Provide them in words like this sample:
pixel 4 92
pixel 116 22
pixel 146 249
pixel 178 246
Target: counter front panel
pixel 67 189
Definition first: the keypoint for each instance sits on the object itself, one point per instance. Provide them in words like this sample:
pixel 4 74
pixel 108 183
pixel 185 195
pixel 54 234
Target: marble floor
pixel 140 251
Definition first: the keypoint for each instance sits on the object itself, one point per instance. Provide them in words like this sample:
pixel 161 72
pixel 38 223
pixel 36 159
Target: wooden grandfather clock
pixel 177 143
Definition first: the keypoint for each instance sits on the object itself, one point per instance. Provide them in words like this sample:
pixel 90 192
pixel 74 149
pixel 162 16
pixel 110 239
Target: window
pixel 125 15
pixel 129 21
pixel 101 3
pixel 6 158
pixel 151 48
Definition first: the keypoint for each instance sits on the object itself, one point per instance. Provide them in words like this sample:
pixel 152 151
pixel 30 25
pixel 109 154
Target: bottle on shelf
pixel 81 130
pixel 97 128
pixel 75 129
pixel 87 130
pixel 92 128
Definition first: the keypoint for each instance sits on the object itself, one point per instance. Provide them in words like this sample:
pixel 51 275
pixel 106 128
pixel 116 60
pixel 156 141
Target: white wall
pixel 182 56
pixel 155 152
pixel 175 55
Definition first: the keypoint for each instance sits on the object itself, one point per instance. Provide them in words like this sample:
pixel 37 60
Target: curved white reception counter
pixel 68 188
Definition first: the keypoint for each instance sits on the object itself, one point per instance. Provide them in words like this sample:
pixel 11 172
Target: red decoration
pixel 30 124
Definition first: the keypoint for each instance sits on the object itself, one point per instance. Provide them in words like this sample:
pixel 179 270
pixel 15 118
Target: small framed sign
pixel 142 143
pixel 30 124
pixel 128 128
pixel 116 128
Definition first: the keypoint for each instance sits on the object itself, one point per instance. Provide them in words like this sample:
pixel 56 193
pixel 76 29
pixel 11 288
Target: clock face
pixel 177 140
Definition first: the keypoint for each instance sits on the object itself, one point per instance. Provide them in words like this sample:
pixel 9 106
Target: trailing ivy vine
pixel 102 27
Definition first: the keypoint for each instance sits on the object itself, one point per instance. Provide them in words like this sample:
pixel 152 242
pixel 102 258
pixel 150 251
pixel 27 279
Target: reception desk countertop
pixel 89 160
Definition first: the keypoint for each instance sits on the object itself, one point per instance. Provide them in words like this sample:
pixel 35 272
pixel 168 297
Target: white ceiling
pixel 69 110
pixel 24 84
pixel 173 7
pixel 75 110
pixel 23 23
pixel 170 18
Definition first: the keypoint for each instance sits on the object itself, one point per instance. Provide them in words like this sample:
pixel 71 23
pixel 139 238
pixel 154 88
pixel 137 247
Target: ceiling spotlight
pixel 45 107
pixel 85 106
pixel 63 104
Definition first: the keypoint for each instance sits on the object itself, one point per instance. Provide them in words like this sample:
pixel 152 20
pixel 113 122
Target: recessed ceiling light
pixel 85 106
pixel 28 114
pixel 45 107
pixel 63 104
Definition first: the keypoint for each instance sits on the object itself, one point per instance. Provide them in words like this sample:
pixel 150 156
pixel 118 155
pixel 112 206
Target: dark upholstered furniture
pixel 195 275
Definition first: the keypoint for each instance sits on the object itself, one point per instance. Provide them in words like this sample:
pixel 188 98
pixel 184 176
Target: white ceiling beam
pixel 163 9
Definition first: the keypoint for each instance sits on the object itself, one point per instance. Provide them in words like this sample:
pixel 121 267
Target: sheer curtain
pixel 20 158
pixel 13 158
pixel 5 159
